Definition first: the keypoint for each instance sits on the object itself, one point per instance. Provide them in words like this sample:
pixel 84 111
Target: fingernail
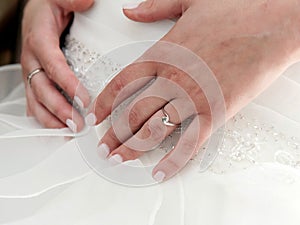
pixel 103 151
pixel 132 5
pixel 115 159
pixel 71 125
pixel 79 102
pixel 90 119
pixel 159 176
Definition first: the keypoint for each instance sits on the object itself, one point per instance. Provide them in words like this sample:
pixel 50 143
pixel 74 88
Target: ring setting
pixel 32 74
pixel 166 119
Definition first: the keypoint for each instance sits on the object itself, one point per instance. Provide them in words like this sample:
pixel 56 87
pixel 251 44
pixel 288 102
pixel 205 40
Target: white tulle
pixel 45 179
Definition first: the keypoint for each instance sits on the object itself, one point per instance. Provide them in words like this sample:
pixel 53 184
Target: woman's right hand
pixel 42 25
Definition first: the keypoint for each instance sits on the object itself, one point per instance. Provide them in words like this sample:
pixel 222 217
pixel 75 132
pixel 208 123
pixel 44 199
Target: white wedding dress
pixel 46 178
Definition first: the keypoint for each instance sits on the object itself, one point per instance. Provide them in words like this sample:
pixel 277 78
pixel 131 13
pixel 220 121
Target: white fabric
pixel 45 179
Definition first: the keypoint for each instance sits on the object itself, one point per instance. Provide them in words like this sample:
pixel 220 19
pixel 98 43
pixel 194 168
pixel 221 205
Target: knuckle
pixel 51 69
pixel 151 5
pixel 80 5
pixel 134 118
pixel 173 74
pixel 30 39
pixel 63 113
pixel 129 154
pixel 117 85
pixel 58 72
pixel 195 91
pixel 66 84
pixel 55 65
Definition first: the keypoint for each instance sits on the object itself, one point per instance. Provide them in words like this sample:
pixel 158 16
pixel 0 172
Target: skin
pixel 44 101
pixel 246 44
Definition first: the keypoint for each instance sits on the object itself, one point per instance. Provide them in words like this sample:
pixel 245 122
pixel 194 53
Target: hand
pixel 246 44
pixel 42 25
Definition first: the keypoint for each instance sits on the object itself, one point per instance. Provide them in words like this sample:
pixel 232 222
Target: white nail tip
pixel 115 159
pixel 130 5
pixel 71 125
pixel 90 119
pixel 79 102
pixel 159 176
pixel 103 151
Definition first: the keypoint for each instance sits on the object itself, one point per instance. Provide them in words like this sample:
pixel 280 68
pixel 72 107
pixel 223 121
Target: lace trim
pixel 245 140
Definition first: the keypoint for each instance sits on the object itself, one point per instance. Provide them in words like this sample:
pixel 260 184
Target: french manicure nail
pixel 115 159
pixel 90 119
pixel 159 176
pixel 132 5
pixel 103 151
pixel 71 125
pixel 79 102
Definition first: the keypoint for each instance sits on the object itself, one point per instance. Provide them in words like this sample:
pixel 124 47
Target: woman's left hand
pixel 246 44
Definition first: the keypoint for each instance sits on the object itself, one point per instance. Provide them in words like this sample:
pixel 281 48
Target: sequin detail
pixel 248 142
pixel 92 69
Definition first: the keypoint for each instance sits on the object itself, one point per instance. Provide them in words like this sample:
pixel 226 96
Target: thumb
pixel 75 5
pixel 153 10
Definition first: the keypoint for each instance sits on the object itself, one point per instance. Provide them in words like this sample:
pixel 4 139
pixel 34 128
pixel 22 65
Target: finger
pixel 43 116
pixel 124 85
pixel 131 120
pixel 187 146
pixel 153 10
pixel 55 102
pixel 75 5
pixel 140 110
pixel 46 94
pixel 154 131
pixel 57 69
pixel 48 53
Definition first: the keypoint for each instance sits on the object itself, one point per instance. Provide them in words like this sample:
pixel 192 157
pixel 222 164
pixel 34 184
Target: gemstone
pixel 164 119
